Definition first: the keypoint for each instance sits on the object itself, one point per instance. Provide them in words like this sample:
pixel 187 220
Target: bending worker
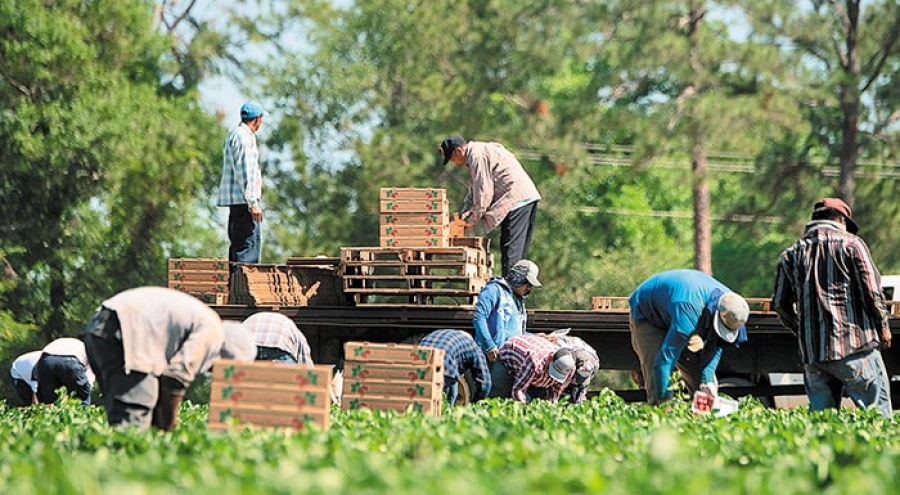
pixel 683 318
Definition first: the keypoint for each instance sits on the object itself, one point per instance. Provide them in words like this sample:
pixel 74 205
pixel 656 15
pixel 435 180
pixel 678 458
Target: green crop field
pixel 494 447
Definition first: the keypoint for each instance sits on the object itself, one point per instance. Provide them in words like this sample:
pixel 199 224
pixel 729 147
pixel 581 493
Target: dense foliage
pixel 494 447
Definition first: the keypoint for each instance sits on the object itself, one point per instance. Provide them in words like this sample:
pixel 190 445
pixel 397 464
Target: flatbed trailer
pixel 771 347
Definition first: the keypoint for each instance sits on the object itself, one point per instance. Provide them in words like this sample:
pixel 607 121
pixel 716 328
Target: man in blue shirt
pixel 684 310
pixel 241 187
pixel 500 314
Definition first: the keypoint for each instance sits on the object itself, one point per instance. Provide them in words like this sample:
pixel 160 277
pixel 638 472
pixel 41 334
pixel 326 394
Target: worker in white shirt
pixel 63 363
pixel 22 380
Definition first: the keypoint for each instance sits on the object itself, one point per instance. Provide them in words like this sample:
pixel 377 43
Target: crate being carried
pixel 269 394
pixel 397 377
pixel 204 278
pixel 414 217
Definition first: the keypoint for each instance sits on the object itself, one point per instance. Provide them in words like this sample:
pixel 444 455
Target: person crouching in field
pixel 22 379
pixel 461 354
pixel 532 363
pixel 148 344
pixel 278 338
pixel 63 363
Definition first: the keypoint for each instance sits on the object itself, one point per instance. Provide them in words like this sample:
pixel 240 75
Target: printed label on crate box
pixel 213 264
pixel 392 353
pixel 229 371
pixel 268 393
pixel 386 371
pixel 420 206
pixel 222 415
pixel 414 242
pixel 414 219
pixel 364 388
pixel 351 402
pixel 413 230
pixel 412 193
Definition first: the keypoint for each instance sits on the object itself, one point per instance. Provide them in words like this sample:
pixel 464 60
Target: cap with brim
pixel 837 204
pixel 251 110
pixel 449 145
pixel 731 316
pixel 562 365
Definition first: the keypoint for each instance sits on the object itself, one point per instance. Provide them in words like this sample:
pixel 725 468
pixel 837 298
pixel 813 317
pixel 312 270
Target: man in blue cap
pixel 241 187
pixel 683 319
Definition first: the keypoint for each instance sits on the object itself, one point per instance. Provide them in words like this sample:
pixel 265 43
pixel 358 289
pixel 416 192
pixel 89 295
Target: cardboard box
pixel 438 241
pixel 438 218
pixel 351 402
pixel 415 206
pixel 286 395
pixel 414 231
pixel 204 276
pixel 412 193
pixel 361 370
pixel 222 416
pixel 392 353
pixel 209 264
pixel 394 388
pixel 199 286
pixel 229 371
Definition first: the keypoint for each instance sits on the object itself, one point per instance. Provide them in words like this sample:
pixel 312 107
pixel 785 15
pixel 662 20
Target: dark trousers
pixel 53 372
pixel 130 399
pixel 245 236
pixel 515 235
pixel 23 390
pixel 274 354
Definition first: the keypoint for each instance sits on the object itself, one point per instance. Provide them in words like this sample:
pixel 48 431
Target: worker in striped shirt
pixel 828 292
pixel 587 362
pixel 533 361
pixel 278 338
pixel 461 355
pixel 240 188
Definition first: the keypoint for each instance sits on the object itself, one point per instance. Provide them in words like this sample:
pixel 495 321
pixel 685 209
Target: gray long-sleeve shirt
pixel 497 184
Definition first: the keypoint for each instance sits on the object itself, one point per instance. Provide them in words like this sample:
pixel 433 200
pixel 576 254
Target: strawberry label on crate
pixel 386 371
pixel 273 394
pixel 390 206
pixel 395 388
pixel 208 264
pixel 413 231
pixel 391 353
pixel 415 219
pixel 428 242
pixel 409 193
pixel 399 404
pixel 268 372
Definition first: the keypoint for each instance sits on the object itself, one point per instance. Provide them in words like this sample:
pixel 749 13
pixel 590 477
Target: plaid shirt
pixel 497 184
pixel 527 357
pixel 461 354
pixel 241 175
pixel 279 331
pixel 828 292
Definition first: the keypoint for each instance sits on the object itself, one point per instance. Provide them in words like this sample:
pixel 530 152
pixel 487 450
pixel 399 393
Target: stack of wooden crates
pixel 414 217
pixel 205 278
pixel 397 377
pixel 269 394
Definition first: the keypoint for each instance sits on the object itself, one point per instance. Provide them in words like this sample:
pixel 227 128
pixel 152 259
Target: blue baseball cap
pixel 251 110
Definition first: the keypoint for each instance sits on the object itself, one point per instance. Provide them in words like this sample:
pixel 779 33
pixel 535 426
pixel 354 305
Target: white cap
pixel 562 365
pixel 731 316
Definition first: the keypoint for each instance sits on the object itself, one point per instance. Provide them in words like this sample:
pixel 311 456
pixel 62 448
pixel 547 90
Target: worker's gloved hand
pixel 886 338
pixel 165 414
pixel 710 388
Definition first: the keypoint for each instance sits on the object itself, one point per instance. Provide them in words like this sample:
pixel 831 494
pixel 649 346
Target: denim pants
pixel 274 354
pixel 244 234
pixel 451 390
pixel 862 377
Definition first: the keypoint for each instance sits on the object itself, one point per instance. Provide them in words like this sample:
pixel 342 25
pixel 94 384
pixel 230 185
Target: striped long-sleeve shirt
pixel 277 330
pixel 828 292
pixel 461 354
pixel 527 357
pixel 241 182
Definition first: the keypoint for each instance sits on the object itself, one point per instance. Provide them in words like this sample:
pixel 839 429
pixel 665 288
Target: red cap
pixel 838 205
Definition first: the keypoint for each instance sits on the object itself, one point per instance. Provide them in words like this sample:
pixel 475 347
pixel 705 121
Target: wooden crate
pixel 394 388
pixel 269 394
pixel 363 370
pixel 204 264
pixel 351 402
pixel 198 276
pixel 200 287
pixel 426 241
pixel 375 352
pixel 413 193
pixel 414 231
pixel 223 416
pixel 414 206
pixel 439 218
pixel 228 371
pixel 611 304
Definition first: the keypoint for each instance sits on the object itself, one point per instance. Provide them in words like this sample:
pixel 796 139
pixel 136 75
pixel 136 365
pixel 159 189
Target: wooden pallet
pixel 416 299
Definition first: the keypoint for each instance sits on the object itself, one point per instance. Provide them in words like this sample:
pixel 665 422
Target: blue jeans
pixel 52 372
pixel 862 377
pixel 274 354
pixel 244 234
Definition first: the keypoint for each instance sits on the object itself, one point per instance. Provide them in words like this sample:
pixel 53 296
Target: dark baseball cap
pixel 449 144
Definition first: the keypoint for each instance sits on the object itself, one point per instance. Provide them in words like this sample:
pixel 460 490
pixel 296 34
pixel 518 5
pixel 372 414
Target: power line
pixel 681 214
